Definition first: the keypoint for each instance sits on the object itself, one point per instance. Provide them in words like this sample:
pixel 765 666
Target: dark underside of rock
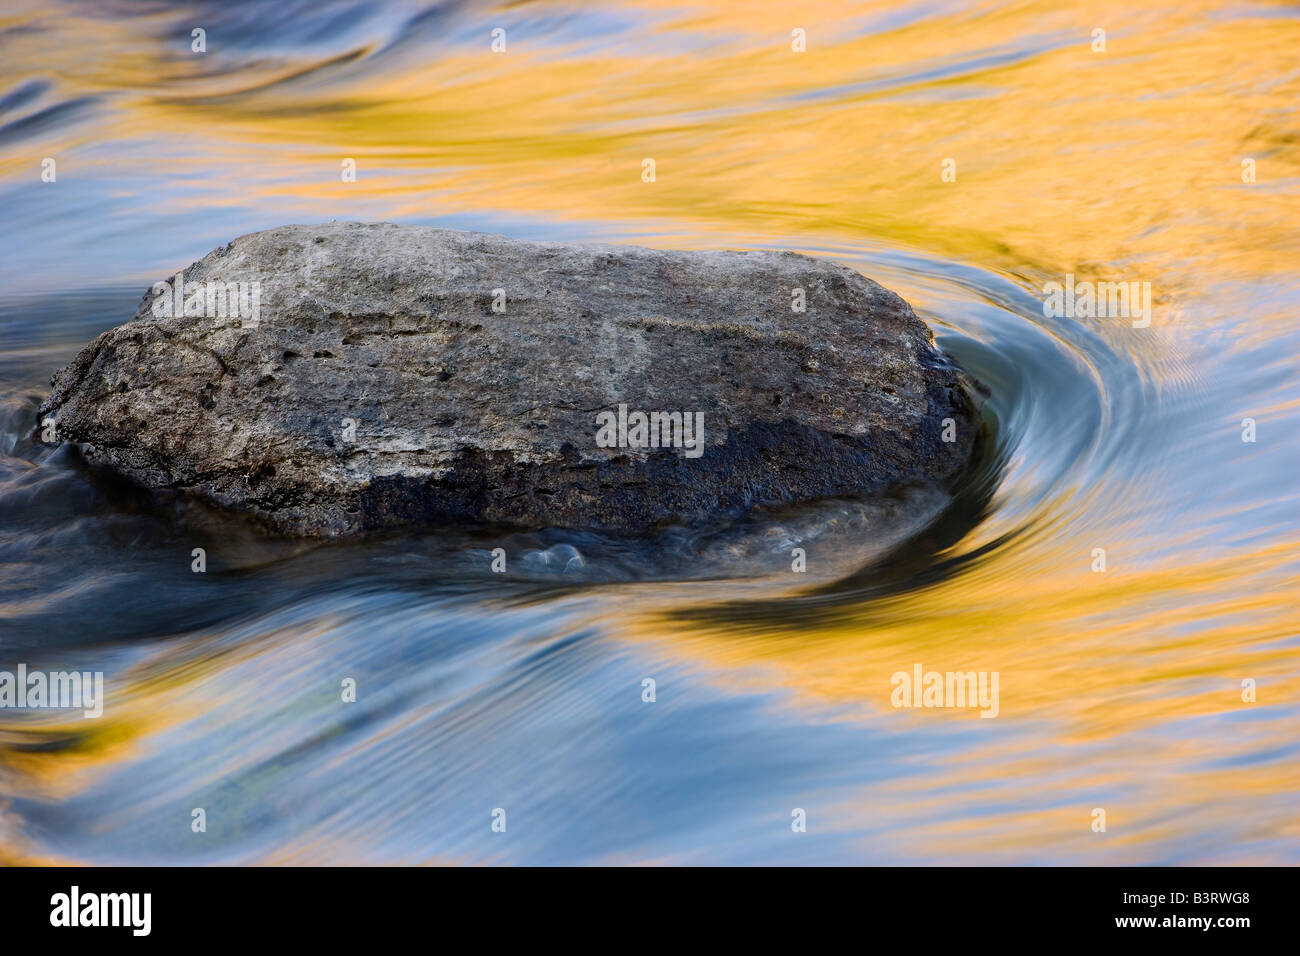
pixel 343 378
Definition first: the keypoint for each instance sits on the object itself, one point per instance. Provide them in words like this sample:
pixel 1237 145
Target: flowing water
pixel 1119 689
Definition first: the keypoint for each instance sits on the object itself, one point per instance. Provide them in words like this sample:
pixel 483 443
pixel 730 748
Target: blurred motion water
pixel 1120 689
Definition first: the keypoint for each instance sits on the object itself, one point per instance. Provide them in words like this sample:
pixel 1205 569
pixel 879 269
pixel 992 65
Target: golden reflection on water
pixel 1066 159
pixel 1123 164
pixel 1097 652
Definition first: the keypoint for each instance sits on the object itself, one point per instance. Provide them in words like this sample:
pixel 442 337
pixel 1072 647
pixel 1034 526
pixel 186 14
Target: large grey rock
pixel 378 385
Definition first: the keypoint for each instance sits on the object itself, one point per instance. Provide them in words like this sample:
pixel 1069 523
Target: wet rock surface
pixel 343 378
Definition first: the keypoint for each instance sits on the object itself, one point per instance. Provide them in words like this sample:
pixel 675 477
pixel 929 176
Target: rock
pixel 373 375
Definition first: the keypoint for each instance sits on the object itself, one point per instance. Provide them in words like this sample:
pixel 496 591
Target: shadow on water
pixel 97 533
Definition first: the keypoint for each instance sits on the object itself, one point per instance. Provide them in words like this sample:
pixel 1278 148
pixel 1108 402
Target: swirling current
pixel 1124 554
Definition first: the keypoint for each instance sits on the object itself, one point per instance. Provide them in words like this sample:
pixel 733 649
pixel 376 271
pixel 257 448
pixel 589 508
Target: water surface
pixel 1119 689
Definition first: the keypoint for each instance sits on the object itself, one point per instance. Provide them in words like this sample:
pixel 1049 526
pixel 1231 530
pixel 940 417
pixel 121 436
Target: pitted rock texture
pixel 412 376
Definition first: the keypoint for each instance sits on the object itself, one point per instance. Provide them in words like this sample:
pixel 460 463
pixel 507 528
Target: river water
pixel 1120 690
